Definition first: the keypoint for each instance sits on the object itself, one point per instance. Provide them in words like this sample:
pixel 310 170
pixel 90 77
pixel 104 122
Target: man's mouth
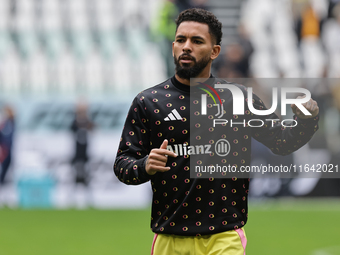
pixel 186 59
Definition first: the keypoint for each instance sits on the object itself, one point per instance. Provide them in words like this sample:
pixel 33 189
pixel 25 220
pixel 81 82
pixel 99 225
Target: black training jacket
pixel 195 206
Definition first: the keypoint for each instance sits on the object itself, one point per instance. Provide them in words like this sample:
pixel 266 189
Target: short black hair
pixel 205 17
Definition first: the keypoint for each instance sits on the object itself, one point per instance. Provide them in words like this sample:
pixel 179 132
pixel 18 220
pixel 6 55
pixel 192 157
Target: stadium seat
pixel 54 44
pixel 122 72
pixel 66 72
pixel 52 28
pixel 103 13
pixel 77 44
pixel 38 72
pixel 93 67
pixel 82 43
pixel 153 69
pixel 313 58
pixel 4 15
pixel 5 42
pixel 51 15
pixel 285 41
pixel 10 69
pixel 78 15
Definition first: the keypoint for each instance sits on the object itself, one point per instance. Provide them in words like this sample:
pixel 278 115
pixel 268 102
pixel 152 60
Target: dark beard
pixel 186 72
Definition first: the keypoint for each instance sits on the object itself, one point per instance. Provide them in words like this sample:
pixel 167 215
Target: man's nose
pixel 187 46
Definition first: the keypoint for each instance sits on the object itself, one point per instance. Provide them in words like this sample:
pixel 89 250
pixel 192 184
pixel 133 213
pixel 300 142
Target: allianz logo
pixel 221 148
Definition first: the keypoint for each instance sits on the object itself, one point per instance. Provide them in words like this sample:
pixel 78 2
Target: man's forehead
pixel 193 28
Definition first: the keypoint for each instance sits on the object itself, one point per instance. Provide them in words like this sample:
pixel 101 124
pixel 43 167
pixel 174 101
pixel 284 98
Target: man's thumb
pixel 164 144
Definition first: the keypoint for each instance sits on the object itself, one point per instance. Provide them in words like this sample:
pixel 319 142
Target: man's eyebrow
pixel 194 37
pixel 180 36
pixel 198 37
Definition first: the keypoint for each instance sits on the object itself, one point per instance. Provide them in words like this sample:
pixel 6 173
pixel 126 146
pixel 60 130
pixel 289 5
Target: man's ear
pixel 215 51
pixel 173 45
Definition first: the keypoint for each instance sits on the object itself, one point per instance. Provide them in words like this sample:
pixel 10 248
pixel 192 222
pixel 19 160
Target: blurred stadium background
pixel 56 55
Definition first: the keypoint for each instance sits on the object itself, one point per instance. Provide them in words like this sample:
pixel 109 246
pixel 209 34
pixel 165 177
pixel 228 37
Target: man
pixel 191 215
pixel 81 126
pixel 7 130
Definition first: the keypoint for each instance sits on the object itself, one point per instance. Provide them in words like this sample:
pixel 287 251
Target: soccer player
pixel 194 215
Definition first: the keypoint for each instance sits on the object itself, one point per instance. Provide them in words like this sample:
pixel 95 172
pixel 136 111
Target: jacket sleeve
pixel 282 139
pixel 134 146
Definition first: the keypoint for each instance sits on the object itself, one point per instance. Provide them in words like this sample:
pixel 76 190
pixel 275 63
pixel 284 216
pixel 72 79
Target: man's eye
pixel 180 40
pixel 198 42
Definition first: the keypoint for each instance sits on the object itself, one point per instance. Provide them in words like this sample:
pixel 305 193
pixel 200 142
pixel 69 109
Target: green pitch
pixel 303 228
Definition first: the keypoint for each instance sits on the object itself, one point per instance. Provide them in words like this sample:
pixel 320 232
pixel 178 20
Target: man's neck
pixel 187 81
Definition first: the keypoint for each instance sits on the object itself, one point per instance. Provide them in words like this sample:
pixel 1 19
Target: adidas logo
pixel 173 115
